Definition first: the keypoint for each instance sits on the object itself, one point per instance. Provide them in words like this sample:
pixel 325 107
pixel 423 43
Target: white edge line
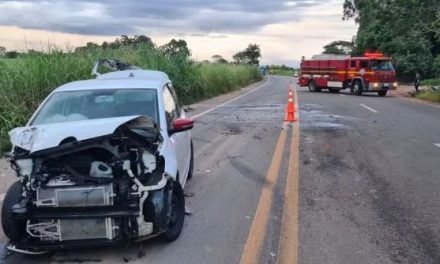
pixel 437 144
pixel 369 108
pixel 232 100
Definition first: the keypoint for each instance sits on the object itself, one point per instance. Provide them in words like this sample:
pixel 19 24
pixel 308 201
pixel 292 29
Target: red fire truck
pixel 372 73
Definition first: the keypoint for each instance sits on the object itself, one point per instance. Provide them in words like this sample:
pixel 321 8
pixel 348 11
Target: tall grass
pixel 27 80
pixel 433 96
pixel 430 82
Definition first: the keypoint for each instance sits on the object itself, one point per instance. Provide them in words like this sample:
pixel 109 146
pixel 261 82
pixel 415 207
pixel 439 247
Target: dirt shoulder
pixel 405 92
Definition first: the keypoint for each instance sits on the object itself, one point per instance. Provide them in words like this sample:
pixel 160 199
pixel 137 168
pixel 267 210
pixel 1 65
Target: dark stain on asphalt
pixel 248 172
pixel 398 217
pixel 228 158
pixel 232 129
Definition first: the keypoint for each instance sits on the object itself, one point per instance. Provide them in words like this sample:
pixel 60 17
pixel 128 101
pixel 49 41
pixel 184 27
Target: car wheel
pixel 15 230
pixel 313 88
pixel 191 163
pixel 177 216
pixel 357 88
pixel 382 93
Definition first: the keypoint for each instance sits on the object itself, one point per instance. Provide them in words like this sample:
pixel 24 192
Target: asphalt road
pixel 369 181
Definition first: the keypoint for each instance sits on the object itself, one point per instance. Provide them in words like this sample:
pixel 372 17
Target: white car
pixel 100 162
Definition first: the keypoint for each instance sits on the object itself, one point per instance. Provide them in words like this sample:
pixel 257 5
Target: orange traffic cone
pixel 290 109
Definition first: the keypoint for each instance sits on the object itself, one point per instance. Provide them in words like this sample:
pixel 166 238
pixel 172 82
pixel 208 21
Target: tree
pixel 406 30
pixel 11 54
pixel 176 47
pixel 339 47
pixel 2 51
pixel 219 59
pixel 250 55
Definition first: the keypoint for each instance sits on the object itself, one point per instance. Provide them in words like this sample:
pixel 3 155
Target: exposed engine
pixel 106 189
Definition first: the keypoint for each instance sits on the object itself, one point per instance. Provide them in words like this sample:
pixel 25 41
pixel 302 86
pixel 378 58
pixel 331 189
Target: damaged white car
pixel 101 162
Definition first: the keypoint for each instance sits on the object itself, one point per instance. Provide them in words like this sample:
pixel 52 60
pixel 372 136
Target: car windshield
pixel 96 104
pixel 380 65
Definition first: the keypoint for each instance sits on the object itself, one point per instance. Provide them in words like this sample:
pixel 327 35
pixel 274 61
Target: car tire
pixel 177 217
pixel 357 88
pixel 313 88
pixel 15 230
pixel 191 163
pixel 382 93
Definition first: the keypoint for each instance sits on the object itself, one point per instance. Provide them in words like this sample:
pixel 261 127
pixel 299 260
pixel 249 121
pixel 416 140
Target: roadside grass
pixel 28 79
pixel 429 95
pixel 430 82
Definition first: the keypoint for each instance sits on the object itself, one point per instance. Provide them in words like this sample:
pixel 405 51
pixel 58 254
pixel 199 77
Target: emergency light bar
pixel 373 54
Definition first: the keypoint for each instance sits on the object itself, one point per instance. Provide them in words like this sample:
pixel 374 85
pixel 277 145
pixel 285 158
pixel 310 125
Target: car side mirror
pixel 181 125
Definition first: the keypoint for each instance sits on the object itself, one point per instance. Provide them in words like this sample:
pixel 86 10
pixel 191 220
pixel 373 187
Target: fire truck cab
pixel 371 73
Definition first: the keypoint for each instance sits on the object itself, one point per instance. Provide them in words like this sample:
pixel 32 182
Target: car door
pixel 181 141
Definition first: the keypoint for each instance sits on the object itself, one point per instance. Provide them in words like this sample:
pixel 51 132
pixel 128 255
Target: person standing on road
pixel 417 82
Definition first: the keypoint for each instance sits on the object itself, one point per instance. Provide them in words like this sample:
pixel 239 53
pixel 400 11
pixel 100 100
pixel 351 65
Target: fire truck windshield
pixel 381 65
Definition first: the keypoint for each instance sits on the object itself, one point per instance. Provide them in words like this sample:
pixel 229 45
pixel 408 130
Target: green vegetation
pixel 429 95
pixel 431 82
pixel 251 55
pixel 339 47
pixel 28 79
pixel 282 70
pixel 406 30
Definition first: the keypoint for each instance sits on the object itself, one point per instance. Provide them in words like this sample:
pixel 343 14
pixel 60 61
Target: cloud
pixel 115 17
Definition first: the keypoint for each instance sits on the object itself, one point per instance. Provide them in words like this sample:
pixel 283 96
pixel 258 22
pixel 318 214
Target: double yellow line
pixel 288 243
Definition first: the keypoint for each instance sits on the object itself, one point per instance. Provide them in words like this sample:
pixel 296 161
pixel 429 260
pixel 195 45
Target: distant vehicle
pixel 295 74
pixel 372 73
pixel 264 69
pixel 101 162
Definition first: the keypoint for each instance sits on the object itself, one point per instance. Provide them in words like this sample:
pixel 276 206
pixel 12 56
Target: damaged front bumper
pixel 98 191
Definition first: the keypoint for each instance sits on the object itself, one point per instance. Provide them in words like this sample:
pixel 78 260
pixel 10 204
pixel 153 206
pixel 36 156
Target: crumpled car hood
pixel 40 137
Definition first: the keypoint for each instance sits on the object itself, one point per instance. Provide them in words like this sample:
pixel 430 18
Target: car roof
pixel 128 79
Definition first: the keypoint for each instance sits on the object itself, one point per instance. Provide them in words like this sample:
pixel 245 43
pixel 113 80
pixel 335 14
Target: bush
pixel 430 82
pixel 25 81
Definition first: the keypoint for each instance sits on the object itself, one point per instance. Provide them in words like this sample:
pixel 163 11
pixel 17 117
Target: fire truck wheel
pixel 313 88
pixel 332 90
pixel 357 88
pixel 382 93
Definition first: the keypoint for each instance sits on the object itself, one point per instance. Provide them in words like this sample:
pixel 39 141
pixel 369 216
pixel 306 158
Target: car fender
pixel 171 164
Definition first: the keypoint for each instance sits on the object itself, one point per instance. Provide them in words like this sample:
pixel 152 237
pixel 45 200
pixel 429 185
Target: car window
pixel 174 94
pixel 353 64
pixel 85 105
pixel 170 105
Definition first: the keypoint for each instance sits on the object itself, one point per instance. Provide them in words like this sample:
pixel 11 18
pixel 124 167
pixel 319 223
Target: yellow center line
pixel 254 243
pixel 288 245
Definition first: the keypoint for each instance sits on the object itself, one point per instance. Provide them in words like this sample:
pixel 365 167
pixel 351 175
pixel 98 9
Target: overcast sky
pixel 285 30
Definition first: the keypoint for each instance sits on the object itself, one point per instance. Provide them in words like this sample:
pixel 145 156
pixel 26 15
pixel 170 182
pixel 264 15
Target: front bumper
pixel 376 87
